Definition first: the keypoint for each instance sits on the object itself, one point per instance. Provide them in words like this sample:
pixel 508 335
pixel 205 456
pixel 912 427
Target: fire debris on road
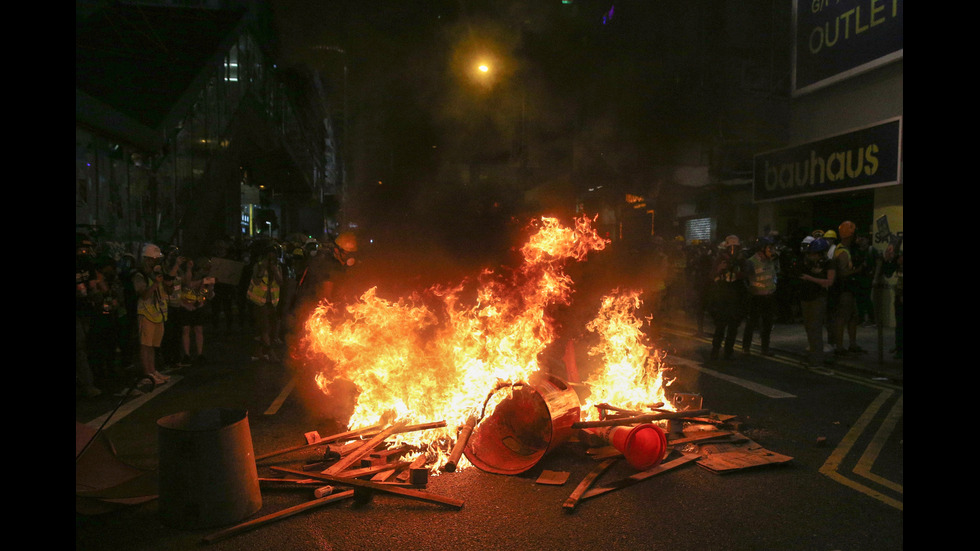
pixel 367 464
pixel 367 460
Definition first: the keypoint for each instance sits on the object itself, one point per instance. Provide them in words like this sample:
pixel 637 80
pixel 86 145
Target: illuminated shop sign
pixel 865 158
pixel 836 39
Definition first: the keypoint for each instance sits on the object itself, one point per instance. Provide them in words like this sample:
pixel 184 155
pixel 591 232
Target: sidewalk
pixel 789 339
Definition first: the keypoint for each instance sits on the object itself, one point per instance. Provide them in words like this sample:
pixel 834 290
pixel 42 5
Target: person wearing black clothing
pixel 865 259
pixel 727 296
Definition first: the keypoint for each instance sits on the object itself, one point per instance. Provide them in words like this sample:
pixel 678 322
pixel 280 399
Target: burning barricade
pixel 453 377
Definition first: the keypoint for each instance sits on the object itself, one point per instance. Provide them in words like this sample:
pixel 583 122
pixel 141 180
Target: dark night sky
pixel 646 65
pixel 630 93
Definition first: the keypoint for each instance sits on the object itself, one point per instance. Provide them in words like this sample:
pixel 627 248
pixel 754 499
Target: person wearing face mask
pixel 153 288
pixel 760 278
pixel 727 295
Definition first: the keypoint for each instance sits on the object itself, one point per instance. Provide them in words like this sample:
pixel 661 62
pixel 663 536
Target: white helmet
pixel 806 242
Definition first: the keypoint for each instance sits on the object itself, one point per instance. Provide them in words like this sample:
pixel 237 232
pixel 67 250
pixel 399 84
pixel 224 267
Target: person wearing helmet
pixel 831 237
pixel 817 277
pixel 344 246
pixel 342 259
pixel 760 277
pixel 726 296
pixel 805 244
pixel 263 293
pixel 845 291
pixel 152 287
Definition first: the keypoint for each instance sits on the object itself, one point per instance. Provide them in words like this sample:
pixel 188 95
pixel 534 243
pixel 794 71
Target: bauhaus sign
pixel 835 39
pixel 864 158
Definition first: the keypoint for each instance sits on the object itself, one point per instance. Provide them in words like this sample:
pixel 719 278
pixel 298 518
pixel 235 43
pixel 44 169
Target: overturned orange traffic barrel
pixel 533 420
pixel 208 476
pixel 643 445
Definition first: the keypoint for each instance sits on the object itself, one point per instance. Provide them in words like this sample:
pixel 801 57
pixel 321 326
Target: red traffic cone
pixel 643 445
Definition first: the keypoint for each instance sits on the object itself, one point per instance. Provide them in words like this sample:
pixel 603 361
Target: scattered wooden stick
pixel 609 407
pixel 640 476
pixel 261 521
pixel 638 419
pixel 418 463
pixel 349 435
pixel 363 450
pixel 573 500
pixel 352 435
pixel 464 436
pixel 699 436
pixel 404 492
pixel 288 481
pixel 371 471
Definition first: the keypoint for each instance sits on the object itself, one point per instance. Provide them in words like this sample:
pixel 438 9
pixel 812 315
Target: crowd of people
pixel 136 315
pixel 824 280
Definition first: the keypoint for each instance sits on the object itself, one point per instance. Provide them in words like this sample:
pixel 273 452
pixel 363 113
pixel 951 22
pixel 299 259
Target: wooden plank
pixel 457 452
pixel 698 436
pixel 640 476
pixel 418 463
pixel 262 521
pixel 363 450
pixel 349 435
pixel 288 481
pixel 553 478
pixel 404 492
pixel 637 419
pixel 573 500
pixel 375 469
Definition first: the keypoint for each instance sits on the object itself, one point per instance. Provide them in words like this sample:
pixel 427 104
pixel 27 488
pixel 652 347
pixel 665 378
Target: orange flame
pixel 437 356
pixel 631 376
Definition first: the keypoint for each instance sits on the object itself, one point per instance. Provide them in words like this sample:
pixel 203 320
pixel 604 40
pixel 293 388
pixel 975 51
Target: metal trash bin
pixel 524 427
pixel 208 476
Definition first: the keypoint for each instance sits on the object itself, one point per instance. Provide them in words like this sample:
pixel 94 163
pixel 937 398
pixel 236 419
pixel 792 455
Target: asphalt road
pixel 841 490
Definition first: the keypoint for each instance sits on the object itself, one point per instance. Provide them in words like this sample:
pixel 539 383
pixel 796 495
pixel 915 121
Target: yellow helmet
pixel 830 234
pixel 347 242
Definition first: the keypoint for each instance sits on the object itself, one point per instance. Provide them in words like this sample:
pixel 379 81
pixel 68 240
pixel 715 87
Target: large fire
pixel 440 354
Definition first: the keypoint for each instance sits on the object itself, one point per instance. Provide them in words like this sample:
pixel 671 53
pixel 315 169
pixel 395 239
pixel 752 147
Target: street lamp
pixel 488 77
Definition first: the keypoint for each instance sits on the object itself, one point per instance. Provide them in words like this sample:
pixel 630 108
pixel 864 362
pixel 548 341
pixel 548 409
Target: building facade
pixel 186 131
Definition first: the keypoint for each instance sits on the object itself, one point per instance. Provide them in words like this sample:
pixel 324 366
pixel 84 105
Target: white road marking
pixel 744 383
pixel 277 403
pixel 111 417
